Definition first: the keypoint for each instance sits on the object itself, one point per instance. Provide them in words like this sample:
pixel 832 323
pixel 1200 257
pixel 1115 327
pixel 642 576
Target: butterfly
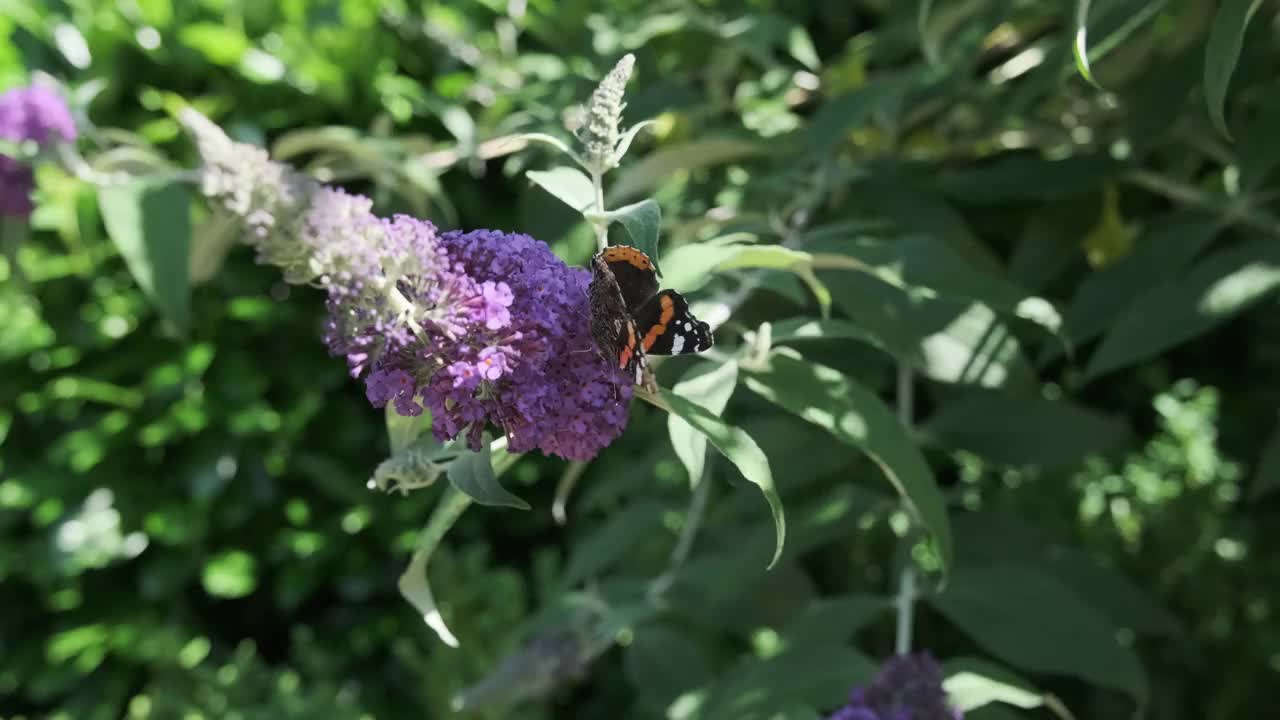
pixel 631 318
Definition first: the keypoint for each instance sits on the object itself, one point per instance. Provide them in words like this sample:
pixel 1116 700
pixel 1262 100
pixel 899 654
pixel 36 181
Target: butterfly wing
pixel 634 272
pixel 612 328
pixel 667 327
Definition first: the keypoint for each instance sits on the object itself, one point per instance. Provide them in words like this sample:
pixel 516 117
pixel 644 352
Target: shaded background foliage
pixel 185 521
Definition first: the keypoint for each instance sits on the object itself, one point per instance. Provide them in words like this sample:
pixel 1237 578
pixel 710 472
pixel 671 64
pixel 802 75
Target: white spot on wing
pixel 677 345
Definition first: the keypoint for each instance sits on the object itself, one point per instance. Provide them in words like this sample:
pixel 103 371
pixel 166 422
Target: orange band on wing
pixel 628 254
pixel 630 349
pixel 668 310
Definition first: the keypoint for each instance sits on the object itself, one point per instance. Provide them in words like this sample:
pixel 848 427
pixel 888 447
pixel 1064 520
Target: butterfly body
pixel 632 318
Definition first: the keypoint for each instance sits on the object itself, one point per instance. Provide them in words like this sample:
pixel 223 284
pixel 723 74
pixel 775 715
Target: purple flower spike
pixel 501 337
pixel 908 687
pixel 36 113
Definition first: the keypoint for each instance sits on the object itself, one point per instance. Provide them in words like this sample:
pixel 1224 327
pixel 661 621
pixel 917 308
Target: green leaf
pixel 1215 288
pixel 230 574
pixel 801 329
pixel 1023 430
pixel 989 537
pixel 150 223
pixel 709 385
pixel 972 684
pixel 692 265
pixel 880 97
pixel 664 661
pixel 642 177
pixel 834 618
pixel 413 583
pixel 929 268
pixel 1226 38
pixel 1167 245
pixel 568 185
pixel 472 474
pixel 740 450
pixel 854 415
pixel 219 44
pixel 610 543
pixel 1080 48
pixel 1035 622
pixel 642 221
pixel 1267 477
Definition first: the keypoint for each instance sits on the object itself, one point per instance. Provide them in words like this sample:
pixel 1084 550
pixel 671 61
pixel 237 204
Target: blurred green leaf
pixel 709 385
pixel 1020 430
pixel 739 449
pixel 607 545
pixel 230 574
pixel 1226 38
pixel 1212 290
pixel 642 221
pixel 150 223
pixel 691 266
pixel 219 44
pixel 642 177
pixel 665 661
pixel 472 474
pixel 568 185
pixel 825 397
pixel 1035 622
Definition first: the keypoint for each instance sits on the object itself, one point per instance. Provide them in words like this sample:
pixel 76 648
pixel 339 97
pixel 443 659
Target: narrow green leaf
pixel 794 330
pixel 413 583
pixel 800 45
pixel 1215 288
pixel 1226 38
pixel 740 450
pixel 472 474
pixel 854 415
pixel 709 385
pixel 1035 622
pixel 642 221
pixel 150 223
pixel 1080 48
pixel 928 42
pixel 1023 430
pixel 568 185
pixel 609 544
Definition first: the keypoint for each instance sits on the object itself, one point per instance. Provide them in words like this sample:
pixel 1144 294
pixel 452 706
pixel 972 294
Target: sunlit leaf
pixel 738 448
pixel 635 179
pixel 709 385
pixel 828 399
pixel 1080 47
pixel 1213 289
pixel 972 684
pixel 150 223
pixel 568 185
pixel 1226 38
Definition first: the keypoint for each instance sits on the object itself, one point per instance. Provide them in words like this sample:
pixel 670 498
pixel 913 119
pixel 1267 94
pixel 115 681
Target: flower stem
pixel 602 226
pixel 907 581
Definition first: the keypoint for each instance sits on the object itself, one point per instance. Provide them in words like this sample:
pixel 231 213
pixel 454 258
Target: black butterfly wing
pixel 634 274
pixel 667 327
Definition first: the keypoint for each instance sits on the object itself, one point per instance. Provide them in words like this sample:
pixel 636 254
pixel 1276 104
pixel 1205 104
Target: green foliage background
pixel 185 529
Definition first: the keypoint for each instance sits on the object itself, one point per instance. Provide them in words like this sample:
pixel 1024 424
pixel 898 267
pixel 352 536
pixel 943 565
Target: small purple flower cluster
pixel 908 687
pixel 35 113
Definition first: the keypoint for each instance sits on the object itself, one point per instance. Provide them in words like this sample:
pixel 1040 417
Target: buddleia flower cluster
pixel 479 328
pixel 908 687
pixel 28 114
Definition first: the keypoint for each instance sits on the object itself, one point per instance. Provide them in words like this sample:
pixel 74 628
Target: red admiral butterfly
pixel 630 318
